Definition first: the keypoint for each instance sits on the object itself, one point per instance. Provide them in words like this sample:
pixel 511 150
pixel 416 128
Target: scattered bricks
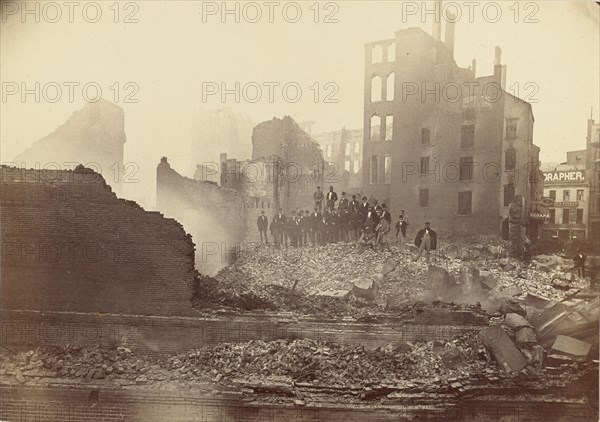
pixel 510 305
pixel 90 374
pixel 571 346
pixel 455 385
pixel 497 341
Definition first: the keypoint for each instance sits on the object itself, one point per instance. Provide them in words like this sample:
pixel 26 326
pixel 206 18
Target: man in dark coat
pixel 278 227
pixel 344 203
pixel 354 204
pixel 331 198
pixel 315 226
pixel 386 214
pixel 262 222
pixel 426 240
pixel 579 261
pixel 318 198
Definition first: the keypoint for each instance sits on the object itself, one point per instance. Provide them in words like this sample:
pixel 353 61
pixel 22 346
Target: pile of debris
pixel 283 366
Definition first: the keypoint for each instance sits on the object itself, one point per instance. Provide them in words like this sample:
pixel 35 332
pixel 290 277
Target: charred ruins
pixel 111 311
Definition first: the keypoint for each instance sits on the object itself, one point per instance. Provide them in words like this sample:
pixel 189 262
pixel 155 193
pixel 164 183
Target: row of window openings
pixel 465 201
pixel 567 195
pixel 467 139
pixel 377 53
pixel 566 216
pixel 465 170
pixel 347 149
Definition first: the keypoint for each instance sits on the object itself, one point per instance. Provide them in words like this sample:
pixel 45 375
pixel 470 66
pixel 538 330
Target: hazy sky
pixel 170 52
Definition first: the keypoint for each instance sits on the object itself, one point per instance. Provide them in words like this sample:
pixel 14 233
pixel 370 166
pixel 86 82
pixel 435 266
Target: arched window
pixel 348 148
pixel 376 88
pixel 375 128
pixel 390 82
pixel 377 54
pixel 374 169
pixel 391 52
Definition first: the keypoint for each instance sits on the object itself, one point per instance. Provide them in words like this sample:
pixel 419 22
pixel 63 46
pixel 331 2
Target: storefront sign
pixel 547 202
pixel 564 176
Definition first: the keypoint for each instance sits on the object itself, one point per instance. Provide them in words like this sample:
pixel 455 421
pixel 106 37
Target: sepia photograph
pixel 320 211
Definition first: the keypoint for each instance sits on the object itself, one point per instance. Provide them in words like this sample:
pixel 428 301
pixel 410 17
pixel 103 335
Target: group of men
pixel 366 224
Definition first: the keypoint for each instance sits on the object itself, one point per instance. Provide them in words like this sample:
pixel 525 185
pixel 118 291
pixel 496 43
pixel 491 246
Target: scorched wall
pixel 68 244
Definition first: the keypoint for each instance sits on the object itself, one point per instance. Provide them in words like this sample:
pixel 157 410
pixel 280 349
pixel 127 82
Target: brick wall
pixel 68 244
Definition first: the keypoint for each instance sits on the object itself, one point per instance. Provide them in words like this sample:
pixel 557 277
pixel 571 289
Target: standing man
pixel 344 224
pixel 363 210
pixel 292 230
pixel 426 240
pixel 278 227
pixel 382 230
pixel 401 227
pixel 386 214
pixel 331 198
pixel 318 197
pixel 344 203
pixel 304 228
pixel 262 222
pixel 315 226
pixel 579 260
pixel 354 204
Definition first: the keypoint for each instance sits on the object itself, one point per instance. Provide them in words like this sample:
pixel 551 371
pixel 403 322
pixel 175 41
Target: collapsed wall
pixel 68 244
pixel 213 215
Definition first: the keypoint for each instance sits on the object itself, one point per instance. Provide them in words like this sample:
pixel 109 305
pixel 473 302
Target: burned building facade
pixel 93 137
pixel 293 159
pixel 342 151
pixel 456 148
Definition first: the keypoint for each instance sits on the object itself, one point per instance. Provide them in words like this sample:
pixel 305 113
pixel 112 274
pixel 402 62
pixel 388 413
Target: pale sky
pixel 170 52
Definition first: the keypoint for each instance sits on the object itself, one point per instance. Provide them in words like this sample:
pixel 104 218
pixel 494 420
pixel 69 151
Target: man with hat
pixel 426 240
pixel 318 198
pixel 331 198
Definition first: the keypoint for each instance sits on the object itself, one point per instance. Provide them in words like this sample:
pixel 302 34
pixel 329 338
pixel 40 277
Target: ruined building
pixel 342 151
pixel 70 245
pixel 93 136
pixel 220 131
pixel 458 147
pixel 295 159
pixel 213 215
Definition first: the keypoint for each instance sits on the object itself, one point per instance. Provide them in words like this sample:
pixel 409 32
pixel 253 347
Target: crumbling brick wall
pixel 213 215
pixel 68 244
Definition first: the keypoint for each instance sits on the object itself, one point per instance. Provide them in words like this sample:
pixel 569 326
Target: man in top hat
pixel 426 240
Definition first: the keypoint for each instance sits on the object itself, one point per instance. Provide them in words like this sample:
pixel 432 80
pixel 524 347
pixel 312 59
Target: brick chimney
pixel 449 35
pixel 437 21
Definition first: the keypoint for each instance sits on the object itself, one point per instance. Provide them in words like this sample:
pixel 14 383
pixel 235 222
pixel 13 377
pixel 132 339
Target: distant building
pixel 593 176
pixel 569 188
pixel 456 149
pixel 94 136
pixel 220 131
pixel 573 185
pixel 342 151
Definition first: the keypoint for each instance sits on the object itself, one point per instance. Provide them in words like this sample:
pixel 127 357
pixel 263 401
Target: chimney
pixel 474 67
pixel 437 21
pixel 503 78
pixel 449 36
pixel 498 56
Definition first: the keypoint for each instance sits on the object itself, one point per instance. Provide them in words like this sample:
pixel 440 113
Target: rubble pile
pixel 282 366
pixel 336 280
